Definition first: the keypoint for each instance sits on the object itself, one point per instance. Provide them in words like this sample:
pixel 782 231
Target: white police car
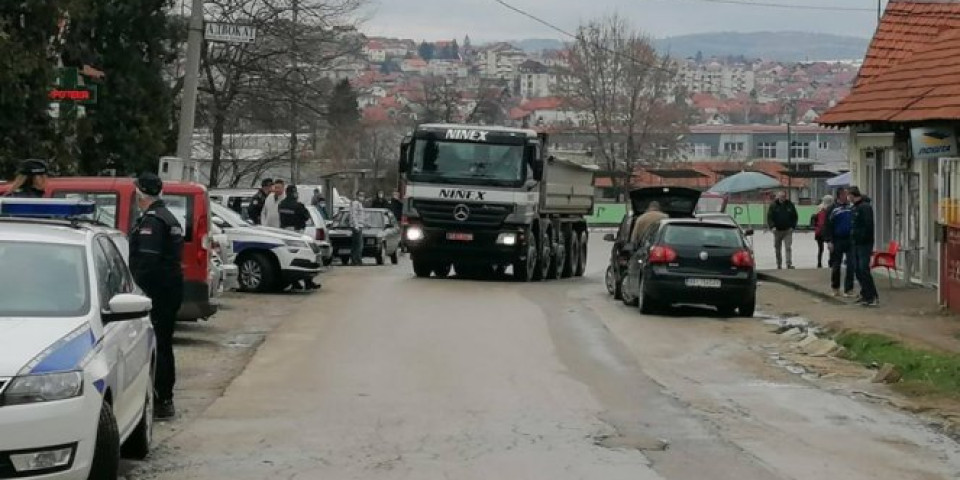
pixel 76 346
pixel 268 258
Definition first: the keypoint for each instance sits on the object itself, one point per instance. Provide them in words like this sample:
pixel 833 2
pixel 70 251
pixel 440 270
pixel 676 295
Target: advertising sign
pixel 930 143
pixel 229 33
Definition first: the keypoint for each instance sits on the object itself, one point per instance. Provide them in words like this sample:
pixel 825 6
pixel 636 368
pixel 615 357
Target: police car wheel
pixel 106 453
pixel 256 273
pixel 137 445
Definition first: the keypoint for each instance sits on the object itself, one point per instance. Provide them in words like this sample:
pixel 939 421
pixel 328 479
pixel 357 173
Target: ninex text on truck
pixel 480 199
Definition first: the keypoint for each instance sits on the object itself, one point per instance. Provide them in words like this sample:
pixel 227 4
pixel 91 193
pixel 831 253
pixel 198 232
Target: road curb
pixel 800 288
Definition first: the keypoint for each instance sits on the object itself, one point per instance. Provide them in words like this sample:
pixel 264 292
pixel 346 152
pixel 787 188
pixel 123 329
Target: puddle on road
pixel 245 340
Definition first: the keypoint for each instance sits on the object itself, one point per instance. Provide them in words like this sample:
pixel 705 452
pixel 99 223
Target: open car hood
pixel 677 202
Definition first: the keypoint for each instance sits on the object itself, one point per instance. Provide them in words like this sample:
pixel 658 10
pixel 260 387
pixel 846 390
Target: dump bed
pixel 567 187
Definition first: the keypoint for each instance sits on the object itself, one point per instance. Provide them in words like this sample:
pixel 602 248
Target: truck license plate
pixel 703 282
pixel 460 237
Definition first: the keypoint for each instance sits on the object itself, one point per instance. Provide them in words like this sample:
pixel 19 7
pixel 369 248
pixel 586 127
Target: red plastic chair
pixel 887 260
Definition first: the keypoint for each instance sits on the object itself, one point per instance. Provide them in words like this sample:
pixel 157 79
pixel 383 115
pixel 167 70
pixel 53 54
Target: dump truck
pixel 483 199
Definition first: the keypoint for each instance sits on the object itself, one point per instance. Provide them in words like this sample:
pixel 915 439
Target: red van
pixel 116 200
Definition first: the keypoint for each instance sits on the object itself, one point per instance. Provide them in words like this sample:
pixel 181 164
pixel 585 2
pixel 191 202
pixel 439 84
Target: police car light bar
pixel 45 208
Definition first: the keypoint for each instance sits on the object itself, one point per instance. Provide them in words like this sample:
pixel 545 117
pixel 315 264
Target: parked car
pixel 692 261
pixel 269 259
pixel 236 199
pixel 677 202
pixel 381 235
pixel 76 367
pixel 116 207
pixel 223 258
pixel 318 231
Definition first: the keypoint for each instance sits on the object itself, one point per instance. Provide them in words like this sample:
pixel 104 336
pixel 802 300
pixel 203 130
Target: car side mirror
pixel 609 238
pixel 219 222
pixel 127 306
pixel 748 232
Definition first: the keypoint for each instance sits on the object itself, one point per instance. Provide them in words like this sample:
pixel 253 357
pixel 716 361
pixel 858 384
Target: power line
pixel 790 6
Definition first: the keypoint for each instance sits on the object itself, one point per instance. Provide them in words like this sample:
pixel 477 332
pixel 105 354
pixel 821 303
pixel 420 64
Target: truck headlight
pixel 43 388
pixel 414 233
pixel 509 239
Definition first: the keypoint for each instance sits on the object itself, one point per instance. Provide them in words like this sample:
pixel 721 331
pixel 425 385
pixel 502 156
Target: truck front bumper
pixel 464 246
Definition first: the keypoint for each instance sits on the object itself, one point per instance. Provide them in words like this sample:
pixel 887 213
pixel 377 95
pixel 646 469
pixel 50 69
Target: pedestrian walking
pixel 156 249
pixel 396 206
pixel 782 220
pixel 836 234
pixel 380 201
pixel 31 180
pixel 645 221
pixel 256 203
pixel 317 200
pixel 818 221
pixel 356 225
pixel 294 216
pixel 270 217
pixel 862 240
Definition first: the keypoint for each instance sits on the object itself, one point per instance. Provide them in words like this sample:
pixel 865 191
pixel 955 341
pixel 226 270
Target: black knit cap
pixel 32 167
pixel 149 183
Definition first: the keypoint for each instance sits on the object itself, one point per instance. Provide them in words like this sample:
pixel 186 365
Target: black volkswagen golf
pixel 692 261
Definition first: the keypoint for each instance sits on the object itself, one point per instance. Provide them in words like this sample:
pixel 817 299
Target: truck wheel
pixel 559 257
pixel 106 451
pixel 573 254
pixel 421 268
pixel 584 246
pixel 256 273
pixel 544 258
pixel 442 271
pixel 524 270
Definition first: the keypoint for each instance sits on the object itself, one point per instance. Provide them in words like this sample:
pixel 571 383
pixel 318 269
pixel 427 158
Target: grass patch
pixel 924 372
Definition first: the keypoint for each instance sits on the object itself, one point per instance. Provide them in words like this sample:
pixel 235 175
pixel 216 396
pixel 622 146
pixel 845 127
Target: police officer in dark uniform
pixel 31 180
pixel 156 248
pixel 294 216
pixel 259 198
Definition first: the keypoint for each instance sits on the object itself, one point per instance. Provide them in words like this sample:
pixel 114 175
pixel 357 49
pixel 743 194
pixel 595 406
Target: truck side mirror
pixel 404 164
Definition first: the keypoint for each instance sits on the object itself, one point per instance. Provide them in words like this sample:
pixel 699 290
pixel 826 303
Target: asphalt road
pixel 384 376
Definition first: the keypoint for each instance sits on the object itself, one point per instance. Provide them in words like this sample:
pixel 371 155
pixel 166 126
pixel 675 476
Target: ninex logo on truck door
pixel 462 194
pixel 471 135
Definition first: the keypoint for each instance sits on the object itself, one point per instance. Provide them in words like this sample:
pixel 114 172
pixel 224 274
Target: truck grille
pixel 479 215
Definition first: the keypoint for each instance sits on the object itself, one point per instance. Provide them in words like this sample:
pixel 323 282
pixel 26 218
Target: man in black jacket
pixel 861 239
pixel 782 219
pixel 156 251
pixel 836 234
pixel 294 216
pixel 256 203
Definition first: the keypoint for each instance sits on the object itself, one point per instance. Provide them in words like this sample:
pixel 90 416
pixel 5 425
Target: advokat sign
pixel 229 32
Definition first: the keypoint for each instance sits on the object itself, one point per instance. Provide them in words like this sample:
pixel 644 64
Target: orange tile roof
pixel 906 26
pixel 923 87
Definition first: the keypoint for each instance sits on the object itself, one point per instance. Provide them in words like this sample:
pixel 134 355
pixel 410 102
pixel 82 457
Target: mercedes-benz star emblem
pixel 461 213
pixel 704 256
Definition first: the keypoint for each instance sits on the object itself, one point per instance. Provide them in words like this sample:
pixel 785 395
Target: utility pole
pixel 294 163
pixel 789 158
pixel 188 103
pixel 879 10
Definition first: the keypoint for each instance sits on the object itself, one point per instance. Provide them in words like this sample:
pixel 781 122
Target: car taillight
pixel 321 235
pixel 660 254
pixel 742 259
pixel 203 233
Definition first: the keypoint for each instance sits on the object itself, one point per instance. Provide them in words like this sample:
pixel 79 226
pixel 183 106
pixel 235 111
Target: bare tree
pixel 441 100
pixel 296 41
pixel 627 91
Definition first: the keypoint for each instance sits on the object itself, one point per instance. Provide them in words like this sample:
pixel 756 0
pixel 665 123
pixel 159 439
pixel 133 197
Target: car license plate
pixel 460 237
pixel 703 282
pixel 344 251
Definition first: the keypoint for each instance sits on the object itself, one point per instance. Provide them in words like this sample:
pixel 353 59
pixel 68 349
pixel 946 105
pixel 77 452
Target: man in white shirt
pixel 270 216
pixel 356 224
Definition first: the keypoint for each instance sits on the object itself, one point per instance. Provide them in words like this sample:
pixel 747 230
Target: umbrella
pixel 842 180
pixel 745 182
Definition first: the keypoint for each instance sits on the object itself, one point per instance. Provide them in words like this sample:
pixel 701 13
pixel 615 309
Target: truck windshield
pixel 467 163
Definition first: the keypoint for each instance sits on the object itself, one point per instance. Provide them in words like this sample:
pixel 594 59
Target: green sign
pixel 70 91
pixel 607 214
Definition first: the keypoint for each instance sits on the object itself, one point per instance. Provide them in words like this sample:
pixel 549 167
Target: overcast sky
pixel 485 20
